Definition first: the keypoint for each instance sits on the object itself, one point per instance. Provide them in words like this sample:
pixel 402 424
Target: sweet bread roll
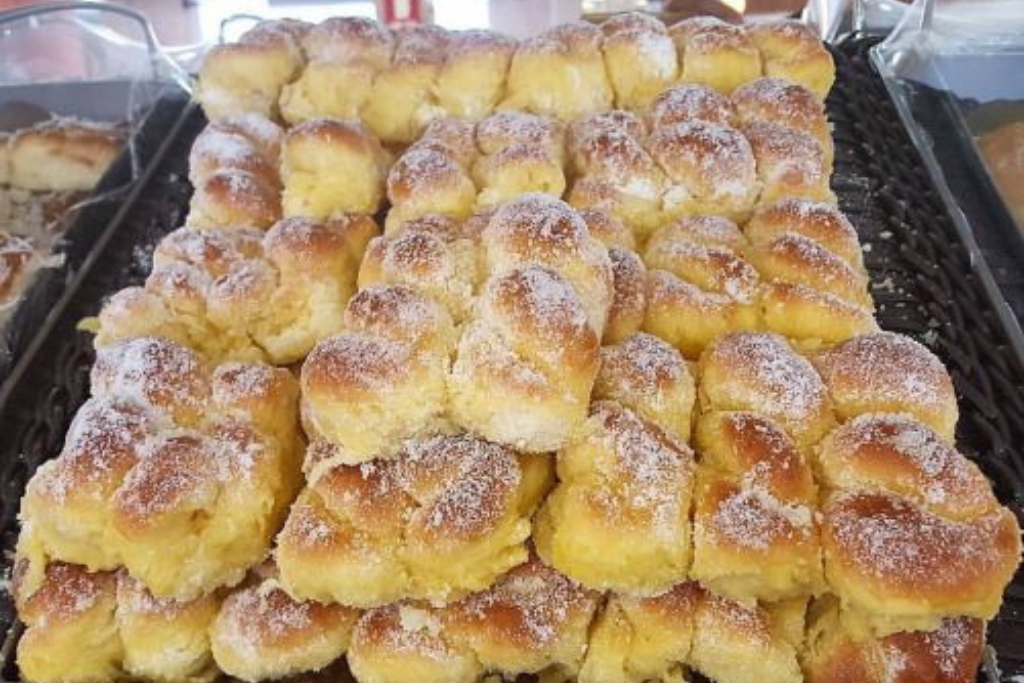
pixel 785 103
pixel 403 99
pixel 629 304
pixel 736 642
pixel 345 54
pixel 235 198
pixel 640 58
pixel 217 149
pixel 790 49
pixel 690 102
pixel 532 620
pixel 951 653
pixel 62 155
pixel 382 381
pixel 261 633
pixel 711 170
pixel 810 317
pixel 506 128
pixel 427 181
pixel 885 372
pixel 248 76
pixel 70 626
pixel 404 643
pixel 560 73
pixel 447 516
pixel 754 534
pixel 543 230
pixel 608 230
pixel 634 639
pixel 619 517
pixel 824 223
pixel 761 373
pixel 472 80
pixel 516 170
pixel 650 378
pixel 331 167
pixel 525 368
pixel 455 138
pixel 790 163
pixel 715 54
pixel 259 131
pixel 432 255
pixel 163 639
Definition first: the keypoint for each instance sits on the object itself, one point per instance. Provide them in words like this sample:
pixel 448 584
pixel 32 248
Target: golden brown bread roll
pixel 345 54
pixel 619 517
pixel 180 471
pixel 640 58
pixel 629 305
pixel 235 198
pixel 754 534
pixel 330 167
pixel 711 170
pixel 403 99
pixel 248 76
pixel 912 532
pixel 818 221
pixel 951 653
pixel 715 54
pixel 382 380
pixel 914 381
pixel 790 49
pixel 761 373
pixel 515 170
pixel 810 317
pixel 222 147
pixel 790 163
pixel 61 155
pixel 690 102
pixel 539 229
pixel 427 181
pixel 525 367
pixel 560 73
pixel 261 633
pixel 650 378
pixel 455 138
pixel 506 128
pixel 789 104
pixel 447 516
pixel 608 230
pixel 472 80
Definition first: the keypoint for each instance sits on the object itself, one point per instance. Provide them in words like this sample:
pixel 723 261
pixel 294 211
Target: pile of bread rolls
pixel 601 397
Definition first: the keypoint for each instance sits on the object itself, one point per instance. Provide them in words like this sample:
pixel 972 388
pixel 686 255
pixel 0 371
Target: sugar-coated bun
pixel 911 532
pixel 61 155
pixel 635 639
pixel 650 378
pixel 715 54
pixel 761 373
pixel 640 58
pixel 404 643
pixel 403 99
pixel 247 76
pixel 810 317
pixel 822 222
pixel 736 642
pixel 472 80
pixel 261 633
pixel 755 536
pixel 792 258
pixel 783 102
pixel 233 197
pixel 790 163
pixel 455 138
pixel 70 625
pixel 165 640
pixel 447 516
pixel 350 40
pixel 791 50
pixel 431 254
pixel 516 170
pixel 629 305
pixel 701 250
pixel 543 230
pixel 532 620
pixel 506 128
pixel 711 170
pixel 330 167
pixel 425 181
pixel 690 102
pixel 619 517
pixel 560 73
pixel 608 230
pixel 259 131
pixel 951 653
pixel 223 147
pixel 885 372
pixel 382 381
pixel 525 368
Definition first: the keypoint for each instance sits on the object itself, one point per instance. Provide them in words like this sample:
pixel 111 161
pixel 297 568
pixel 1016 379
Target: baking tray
pixel 922 281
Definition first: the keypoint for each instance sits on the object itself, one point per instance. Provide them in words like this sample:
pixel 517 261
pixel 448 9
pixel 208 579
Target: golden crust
pixel 640 58
pixel 795 259
pixel 61 155
pixel 690 102
pixel 776 100
pixel 790 163
pixel 715 53
pixel 629 305
pixel 791 50
pixel 824 223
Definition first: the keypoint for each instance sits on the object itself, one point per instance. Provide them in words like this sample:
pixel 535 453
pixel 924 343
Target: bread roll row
pixel 397 82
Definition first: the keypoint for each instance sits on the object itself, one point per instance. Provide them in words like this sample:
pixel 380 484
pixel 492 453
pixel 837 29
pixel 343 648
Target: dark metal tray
pixel 922 279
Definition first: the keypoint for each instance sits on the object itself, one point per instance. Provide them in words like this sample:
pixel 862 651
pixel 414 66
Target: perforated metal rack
pixel 922 281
